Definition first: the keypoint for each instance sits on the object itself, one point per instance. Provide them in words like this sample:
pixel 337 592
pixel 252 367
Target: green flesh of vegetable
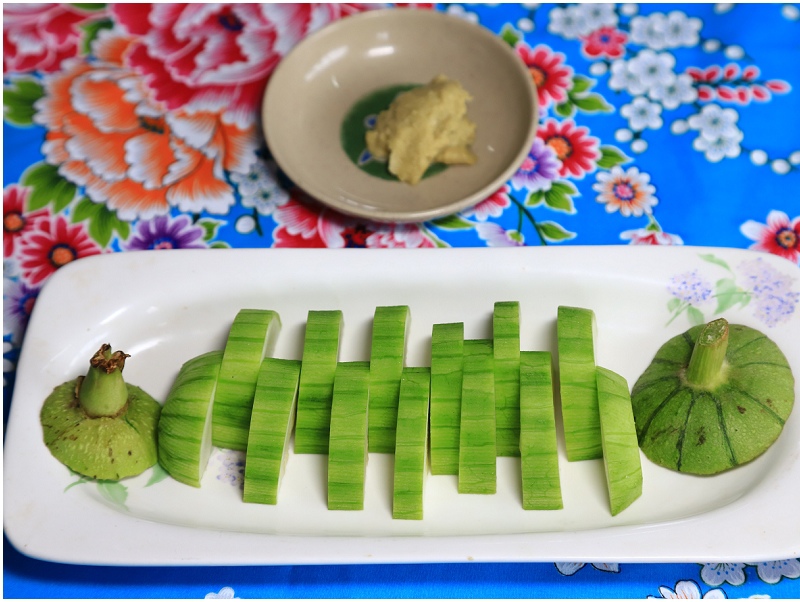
pixel 623 466
pixel 541 483
pixel 708 407
pixel 184 430
pixel 477 464
pixel 347 452
pixel 314 398
pixel 111 447
pixel 411 450
pixel 447 356
pixel 274 405
pixel 576 365
pixel 506 344
pixel 252 337
pixel 390 326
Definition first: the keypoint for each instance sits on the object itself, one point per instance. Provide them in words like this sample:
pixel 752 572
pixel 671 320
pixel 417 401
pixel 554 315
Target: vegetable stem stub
pixel 707 365
pixel 103 392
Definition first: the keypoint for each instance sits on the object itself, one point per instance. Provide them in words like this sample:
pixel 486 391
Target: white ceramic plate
pixel 164 308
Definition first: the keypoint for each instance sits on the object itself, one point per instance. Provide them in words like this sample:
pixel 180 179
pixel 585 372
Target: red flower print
pixel 52 244
pixel 492 206
pixel 606 41
pixel 38 37
pixel 577 151
pixel 15 220
pixel 645 236
pixel 217 56
pixel 780 235
pixel 552 77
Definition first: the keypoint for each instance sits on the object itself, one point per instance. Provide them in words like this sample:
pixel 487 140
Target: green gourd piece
pixel 314 398
pixel 623 466
pixel 252 336
pixel 98 425
pixel 506 344
pixel 389 330
pixel 713 398
pixel 411 449
pixel 347 451
pixel 576 364
pixel 184 429
pixel 447 357
pixel 274 407
pixel 477 460
pixel 541 482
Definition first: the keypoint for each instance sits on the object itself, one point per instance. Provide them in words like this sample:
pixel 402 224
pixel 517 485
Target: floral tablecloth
pixel 133 127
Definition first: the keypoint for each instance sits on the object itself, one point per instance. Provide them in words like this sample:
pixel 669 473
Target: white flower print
pixel 226 593
pixel 659 31
pixel 682 30
pixel 570 568
pixel 596 16
pixel 622 78
pixel 260 189
pixel 717 574
pixel 772 572
pixel 719 148
pixel 688 590
pixel 675 93
pixel 653 68
pixel 569 22
pixel 714 122
pixel 642 114
pixel 496 236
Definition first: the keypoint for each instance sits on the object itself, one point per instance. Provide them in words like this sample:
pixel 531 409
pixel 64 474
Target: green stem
pixel 705 368
pixel 530 217
pixel 103 392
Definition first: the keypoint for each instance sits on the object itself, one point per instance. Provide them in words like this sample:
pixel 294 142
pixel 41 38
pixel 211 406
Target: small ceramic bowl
pixel 325 92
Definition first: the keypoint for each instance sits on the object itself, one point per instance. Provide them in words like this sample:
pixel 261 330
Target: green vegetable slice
pixel 477 463
pixel 576 363
pixel 184 430
pixel 389 330
pixel 623 466
pixel 411 450
pixel 252 337
pixel 541 482
pixel 505 325
pixel 347 451
pixel 320 356
pixel 274 407
pixel 447 357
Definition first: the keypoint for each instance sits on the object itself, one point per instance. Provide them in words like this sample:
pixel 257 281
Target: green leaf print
pixel 113 491
pixel 673 304
pixel 559 197
pixel 18 99
pixel 48 187
pixel 535 198
pixel 159 474
pixel 510 35
pixel 728 295
pixel 210 227
pixel 452 222
pixel 695 316
pixel 565 109
pixel 581 83
pixel 553 231
pixel 92 30
pixel 611 156
pixel 102 221
pixel 709 257
pixel 592 103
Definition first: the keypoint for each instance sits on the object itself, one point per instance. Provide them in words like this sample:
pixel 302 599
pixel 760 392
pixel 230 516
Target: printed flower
pixel 52 244
pixel 570 568
pixel 659 31
pixel 652 68
pixel 161 232
pixel 107 135
pixel 719 148
pixel 597 16
pixel 18 302
pixel 217 57
pixel 719 573
pixel 622 78
pixel 568 22
pixel 497 236
pixel 16 221
pixel 773 572
pixel 8 365
pixel 690 288
pixel 714 122
pixel 259 188
pixel 642 114
pixel 607 42
pixel 688 590
pixel 675 93
pixel 644 236
pixel 572 145
pixel 775 301
pixel 226 593
pixel 538 170
pixel 39 37
pixel 628 192
pixel 552 77
pixel 780 235
pixel 492 206
pixel 230 466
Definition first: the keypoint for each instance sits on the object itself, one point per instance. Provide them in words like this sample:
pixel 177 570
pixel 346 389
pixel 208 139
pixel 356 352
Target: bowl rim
pixel 397 215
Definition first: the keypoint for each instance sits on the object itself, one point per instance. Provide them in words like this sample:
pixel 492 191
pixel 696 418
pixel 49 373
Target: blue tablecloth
pixel 130 127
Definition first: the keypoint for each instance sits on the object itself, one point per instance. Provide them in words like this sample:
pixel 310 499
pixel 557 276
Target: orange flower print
pixel 628 192
pixel 107 134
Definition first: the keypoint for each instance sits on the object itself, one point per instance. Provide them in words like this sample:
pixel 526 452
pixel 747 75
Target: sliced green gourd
pixel 576 364
pixel 347 451
pixel 506 344
pixel 447 357
pixel 184 429
pixel 320 356
pixel 389 330
pixel 621 458
pixel 477 463
pixel 411 449
pixel 252 337
pixel 271 425
pixel 541 482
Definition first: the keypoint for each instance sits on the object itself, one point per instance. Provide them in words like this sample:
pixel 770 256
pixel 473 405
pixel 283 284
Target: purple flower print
pixel 538 170
pixel 163 233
